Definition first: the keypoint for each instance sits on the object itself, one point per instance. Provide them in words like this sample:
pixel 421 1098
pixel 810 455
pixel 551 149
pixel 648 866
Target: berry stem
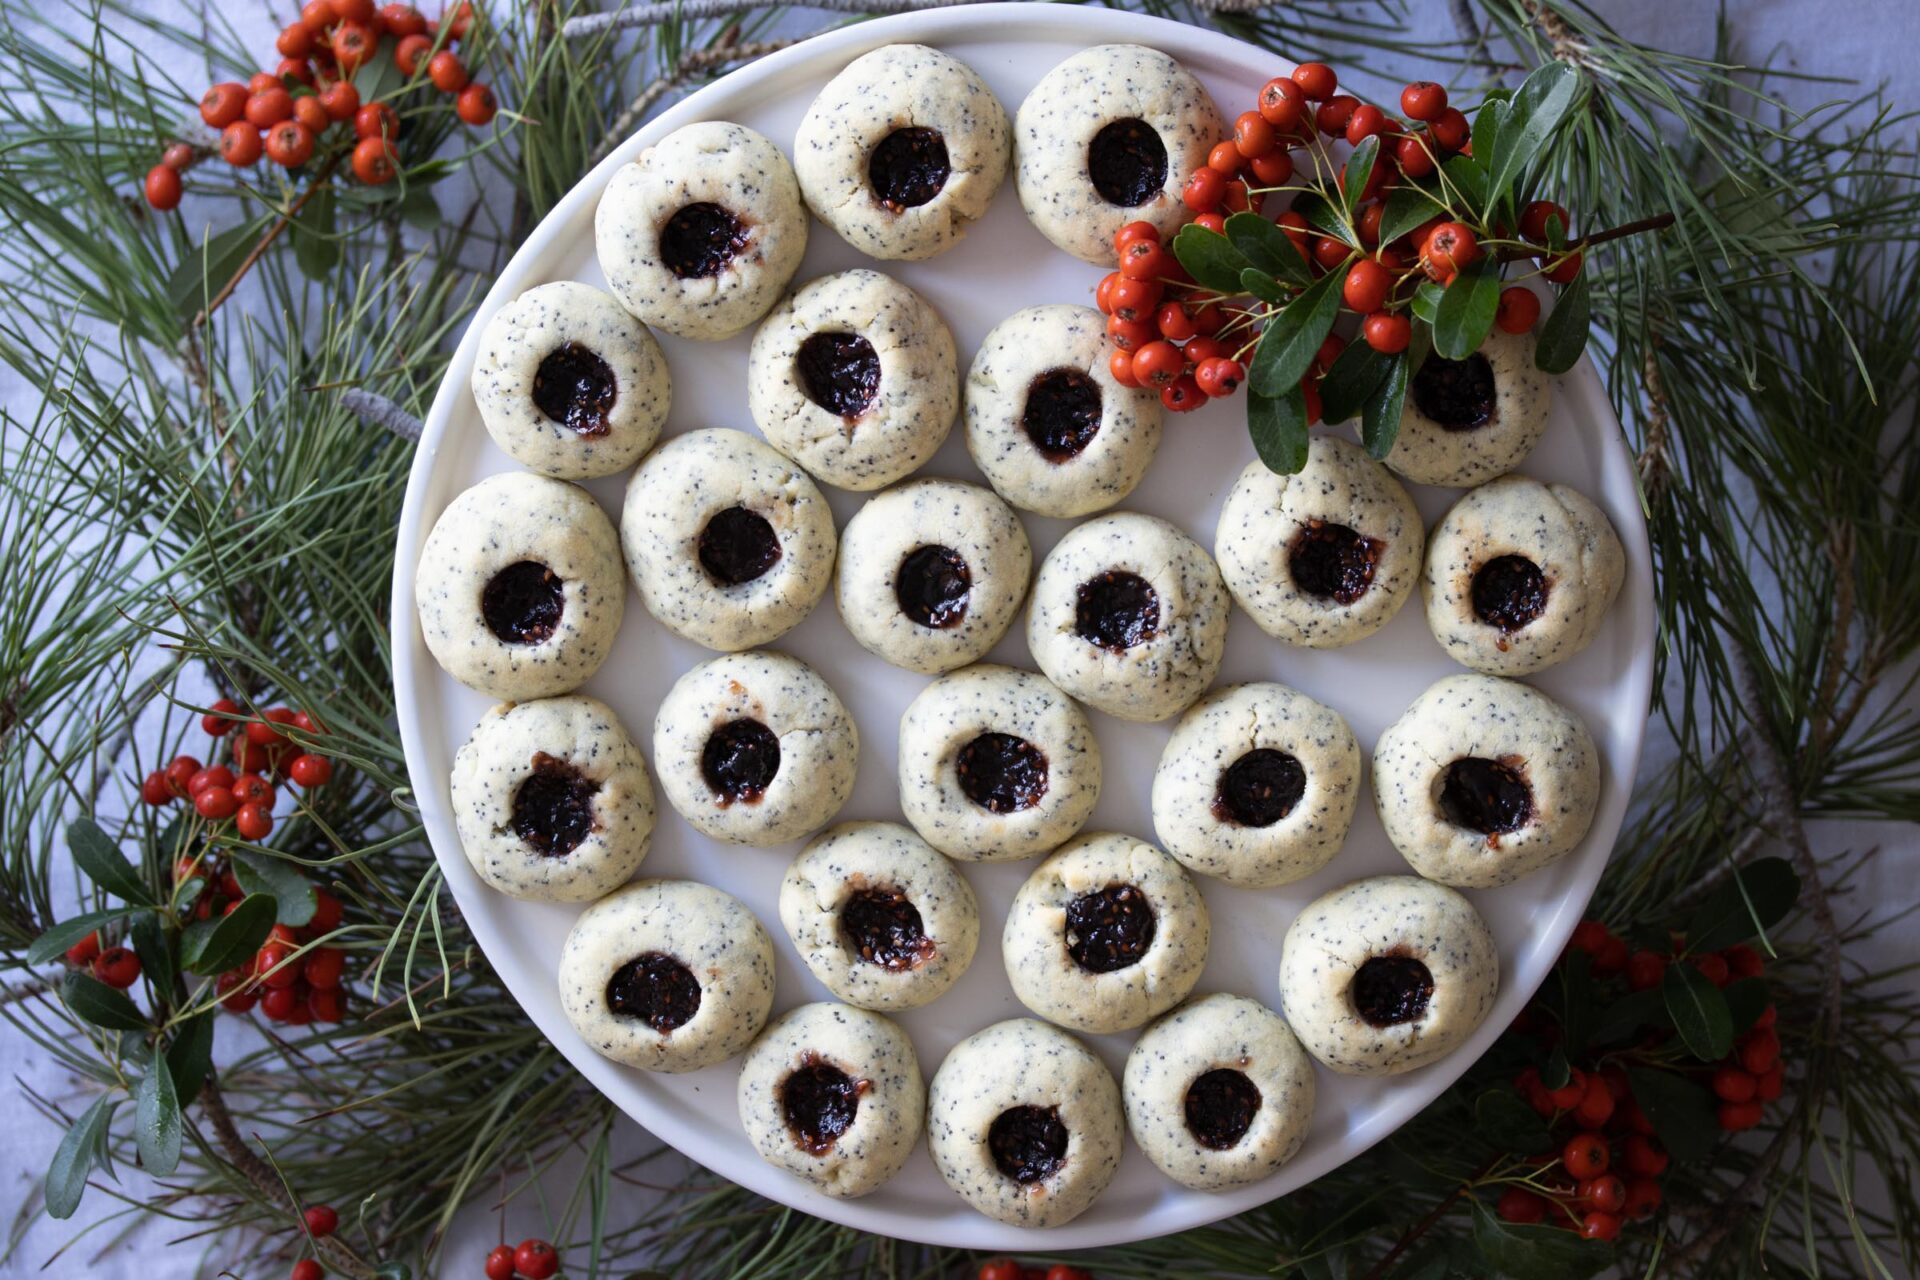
pixel 1656 222
pixel 265 242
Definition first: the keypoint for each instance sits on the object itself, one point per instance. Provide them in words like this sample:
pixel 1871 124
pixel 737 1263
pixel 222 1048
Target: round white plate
pixel 1003 265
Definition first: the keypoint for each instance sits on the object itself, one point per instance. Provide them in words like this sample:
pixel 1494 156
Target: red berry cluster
pixel 322 1220
pixel 291 986
pixel 240 792
pixel 1008 1269
pixel 1162 329
pixel 530 1260
pixel 287 113
pixel 116 966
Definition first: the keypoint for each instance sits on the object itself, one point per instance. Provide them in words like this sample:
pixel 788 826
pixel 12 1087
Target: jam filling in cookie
pixel 739 761
pixel 1220 1107
pixel 1116 610
pixel 1391 989
pixel 1127 162
pixel 839 372
pixel 1062 414
pixel 819 1101
pixel 1332 561
pixel 1002 773
pixel 553 808
pixel 657 989
pixel 933 585
pixel 574 387
pixel 909 167
pixel 1457 394
pixel 522 603
pixel 1259 788
pixel 884 927
pixel 1488 796
pixel 1509 592
pixel 700 240
pixel 1109 928
pixel 738 546
pixel 1028 1143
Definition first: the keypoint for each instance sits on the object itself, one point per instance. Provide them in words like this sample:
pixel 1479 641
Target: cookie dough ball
pixel 878 916
pixel 1047 424
pixel 701 234
pixel 1324 557
pixel 1257 786
pixel 729 542
pixel 1105 934
pixel 1467 421
pixel 1106 138
pixel 1484 780
pixel 833 1095
pixel 1218 1093
pixel 667 975
pixel 519 587
pixel 1024 1122
pixel 1129 615
pixel 552 800
pixel 932 574
pixel 901 151
pixel 1387 974
pixel 754 748
pixel 996 764
pixel 1520 576
pixel 569 384
pixel 855 378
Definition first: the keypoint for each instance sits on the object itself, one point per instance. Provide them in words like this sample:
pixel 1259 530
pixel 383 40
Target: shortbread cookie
pixel 1257 786
pixel 569 384
pixel 1467 421
pixel 1105 934
pixel 1324 557
pixel 667 975
pixel 519 587
pixel 552 800
pixel 1387 974
pixel 700 235
pixel 754 748
pixel 1484 780
pixel 729 542
pixel 1129 615
pixel 932 573
pixel 1106 138
pixel 901 151
pixel 1047 424
pixel 878 916
pixel 855 378
pixel 1520 576
pixel 1218 1093
pixel 1024 1122
pixel 833 1095
pixel 996 764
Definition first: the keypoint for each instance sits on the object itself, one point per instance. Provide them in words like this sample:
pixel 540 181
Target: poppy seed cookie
pixel 1467 421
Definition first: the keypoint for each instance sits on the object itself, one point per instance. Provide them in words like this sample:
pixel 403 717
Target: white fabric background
pixel 1868 41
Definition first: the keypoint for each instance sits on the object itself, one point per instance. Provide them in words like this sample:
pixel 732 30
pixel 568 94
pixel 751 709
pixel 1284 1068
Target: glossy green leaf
pixel 1359 170
pixel 1293 337
pixel 1753 900
pixel 190 1056
pixel 53 944
pixel 1264 287
pixel 1489 130
pixel 1682 1112
pixel 73 1159
pixel 258 873
pixel 214 946
pixel 1278 426
pixel 1699 1012
pixel 94 1001
pixel 1209 258
pixel 1320 214
pixel 1535 1252
pixel 1563 337
pixel 1467 307
pixel 1354 375
pixel 316 250
pixel 153 943
pixel 1539 106
pixel 101 861
pixel 1267 247
pixel 1469 176
pixel 1625 1018
pixel 1426 300
pixel 1380 416
pixel 1747 999
pixel 1406 208
pixel 156 1126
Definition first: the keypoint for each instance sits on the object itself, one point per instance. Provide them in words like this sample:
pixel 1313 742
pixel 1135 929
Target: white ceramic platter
pixel 1003 265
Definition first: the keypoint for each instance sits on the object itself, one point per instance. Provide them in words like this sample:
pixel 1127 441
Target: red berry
pixel 240 144
pixel 1423 100
pixel 373 161
pixel 1202 349
pixel 253 789
pixel 294 41
pixel 353 44
pixel 324 967
pixel 218 719
pixel 163 187
pixel 217 775
pixel 1283 104
pixel 1103 292
pixel 1612 956
pixel 1210 319
pixel 223 104
pixel 1129 335
pixel 253 821
pixel 290 144
pixel 1533 221
pixel 1174 322
pixel 1225 158
pixel 322 1220
pixel 1144 260
pixel 1768 1016
pixel 1568 1095
pixel 1759 1050
pixel 1564 270
pixel 270 107
pixel 1645 969
pixel 355 10
pixel 1644 1156
pixel 326 913
pixel 1585 1155
pixel 1605 1193
pixel 155 789
pixel 1134 299
pixel 235 996
pixel 117 967
pixel 1329 351
pixel 1600 1226
pixel 1588 936
pixel 180 771
pixel 1743 961
pixel 1366 121
pixel 1316 80
pixel 1415 160
pixel 1330 253
pixel 1275 169
pixel 1000 1269
pixel 1519 309
pixel 402 20
pixel 216 804
pixel 1449 247
pixel 1771 1083
pixel 1253 136
pixel 317 15
pixel 341 100
pixel 310 770
pixel 1204 190
pixel 1061 1271
pixel 1366 286
pixel 1134 231
pixel 458 20
pixel 1219 377
pixel 1386 332
pixel 475 105
pixel 262 81
pixel 85 950
pixel 1333 115
pixel 1158 363
pixel 1182 395
pixel 1738 1116
pixel 327 1004
pixel 1643 1197
pixel 500 1262
pixel 1368 223
pixel 1296 226
pixel 1731 1084
pixel 1713 969
pixel 1451 130
pixel 1120 368
pixel 410 51
pixel 1517 1204
pixel 1595 1107
pixel 307 1269
pixel 270 965
pixel 280 1003
pixel 536 1260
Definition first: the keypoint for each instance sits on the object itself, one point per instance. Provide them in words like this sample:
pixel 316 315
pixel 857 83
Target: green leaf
pixel 100 860
pixel 1682 1112
pixel 1563 338
pixel 1625 1017
pixel 1539 107
pixel 1359 170
pixel 214 946
pixel 1536 1252
pixel 1321 214
pixel 379 75
pixel 1699 1012
pixel 1350 381
pixel 154 945
pixel 1469 176
pixel 1293 337
pixel 73 1159
pixel 156 1126
pixel 419 208
pixel 316 250
pixel 1278 426
pixel 94 1001
pixel 1489 128
pixel 293 891
pixel 53 944
pixel 1505 1119
pixel 1464 317
pixel 205 271
pixel 1380 416
pixel 1267 247
pixel 1426 300
pixel 1209 258
pixel 1264 287
pixel 190 1056
pixel 1558 1070
pixel 1406 208
pixel 1754 898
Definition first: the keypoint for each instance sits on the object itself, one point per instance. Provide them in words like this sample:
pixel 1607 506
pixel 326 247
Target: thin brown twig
pixel 265 242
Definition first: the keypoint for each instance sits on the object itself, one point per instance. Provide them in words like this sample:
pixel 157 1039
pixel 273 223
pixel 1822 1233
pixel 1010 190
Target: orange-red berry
pixel 1387 332
pixel 410 51
pixel 1252 135
pixel 341 100
pixel 1316 80
pixel 289 144
pixel 475 106
pixel 1423 100
pixel 1519 309
pixel 269 107
pixel 163 187
pixel 1182 395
